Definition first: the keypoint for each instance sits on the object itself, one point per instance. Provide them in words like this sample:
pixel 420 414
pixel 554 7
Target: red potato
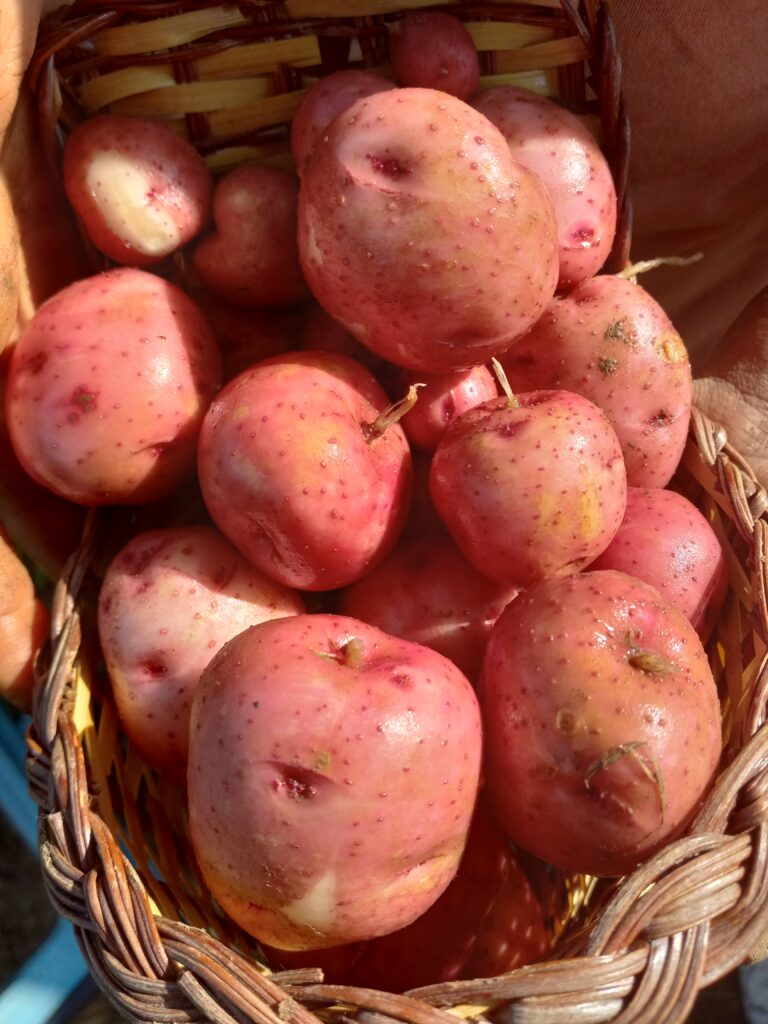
pixel 141 191
pixel 602 722
pixel 432 50
pixel 298 475
pixel 333 772
pixel 442 399
pixel 170 599
pixel 487 922
pixel 530 490
pixel 108 387
pixel 553 143
pixel 423 520
pixel 420 233
pixel 325 101
pixel 245 336
pixel 665 541
pixel 427 592
pixel 251 257
pixel 322 333
pixel 610 341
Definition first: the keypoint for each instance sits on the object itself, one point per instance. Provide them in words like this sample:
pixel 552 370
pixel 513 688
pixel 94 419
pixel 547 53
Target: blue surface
pixel 55 979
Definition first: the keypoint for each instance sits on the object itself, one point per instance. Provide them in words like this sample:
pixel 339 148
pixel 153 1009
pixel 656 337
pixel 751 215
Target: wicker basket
pixel 113 835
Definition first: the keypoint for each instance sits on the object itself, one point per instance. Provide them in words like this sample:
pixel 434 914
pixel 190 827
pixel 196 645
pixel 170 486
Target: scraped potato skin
pixel 141 190
pixel 553 143
pixel 170 599
pixel 610 341
pixel 421 234
pixel 251 258
pixel 325 101
pixel 602 722
pixel 108 387
pixel 487 922
pixel 333 772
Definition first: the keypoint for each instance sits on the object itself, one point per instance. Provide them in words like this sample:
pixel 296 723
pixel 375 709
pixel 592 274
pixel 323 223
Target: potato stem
pixel 501 377
pixel 661 261
pixel 392 414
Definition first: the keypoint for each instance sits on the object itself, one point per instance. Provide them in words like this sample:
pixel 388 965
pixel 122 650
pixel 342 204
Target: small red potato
pixel 431 50
pixel 251 257
pixel 108 387
pixel 301 474
pixel 487 922
pixel 427 592
pixel 245 336
pixel 325 101
pixel 610 341
pixel 421 234
pixel 170 599
pixel 442 399
pixel 141 191
pixel 553 143
pixel 665 541
pixel 530 487
pixel 423 520
pixel 324 334
pixel 602 722
pixel 333 771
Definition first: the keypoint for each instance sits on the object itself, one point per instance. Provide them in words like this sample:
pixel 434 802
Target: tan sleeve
pixel 696 82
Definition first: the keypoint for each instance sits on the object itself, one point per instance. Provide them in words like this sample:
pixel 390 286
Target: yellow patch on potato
pixel 589 515
pixel 671 348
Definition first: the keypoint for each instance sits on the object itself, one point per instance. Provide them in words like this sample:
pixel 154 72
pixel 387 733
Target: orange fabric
pixel 696 86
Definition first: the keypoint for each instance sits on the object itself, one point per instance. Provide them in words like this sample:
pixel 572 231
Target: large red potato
pixel 108 387
pixel 170 599
pixel 325 101
pixel 333 772
pixel 553 143
pixel 665 541
pixel 602 722
pixel 487 922
pixel 530 487
pixel 432 50
pixel 610 341
pixel 427 592
pixel 141 190
pixel 296 473
pixel 251 258
pixel 421 234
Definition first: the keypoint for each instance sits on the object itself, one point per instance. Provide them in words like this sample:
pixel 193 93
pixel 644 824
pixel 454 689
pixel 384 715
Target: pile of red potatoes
pixel 436 619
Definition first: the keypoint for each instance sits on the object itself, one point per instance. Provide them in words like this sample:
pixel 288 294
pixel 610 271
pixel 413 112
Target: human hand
pixel 46 258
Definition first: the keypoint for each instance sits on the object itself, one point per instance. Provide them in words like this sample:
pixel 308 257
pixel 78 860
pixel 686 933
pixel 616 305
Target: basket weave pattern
pixel 644 946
